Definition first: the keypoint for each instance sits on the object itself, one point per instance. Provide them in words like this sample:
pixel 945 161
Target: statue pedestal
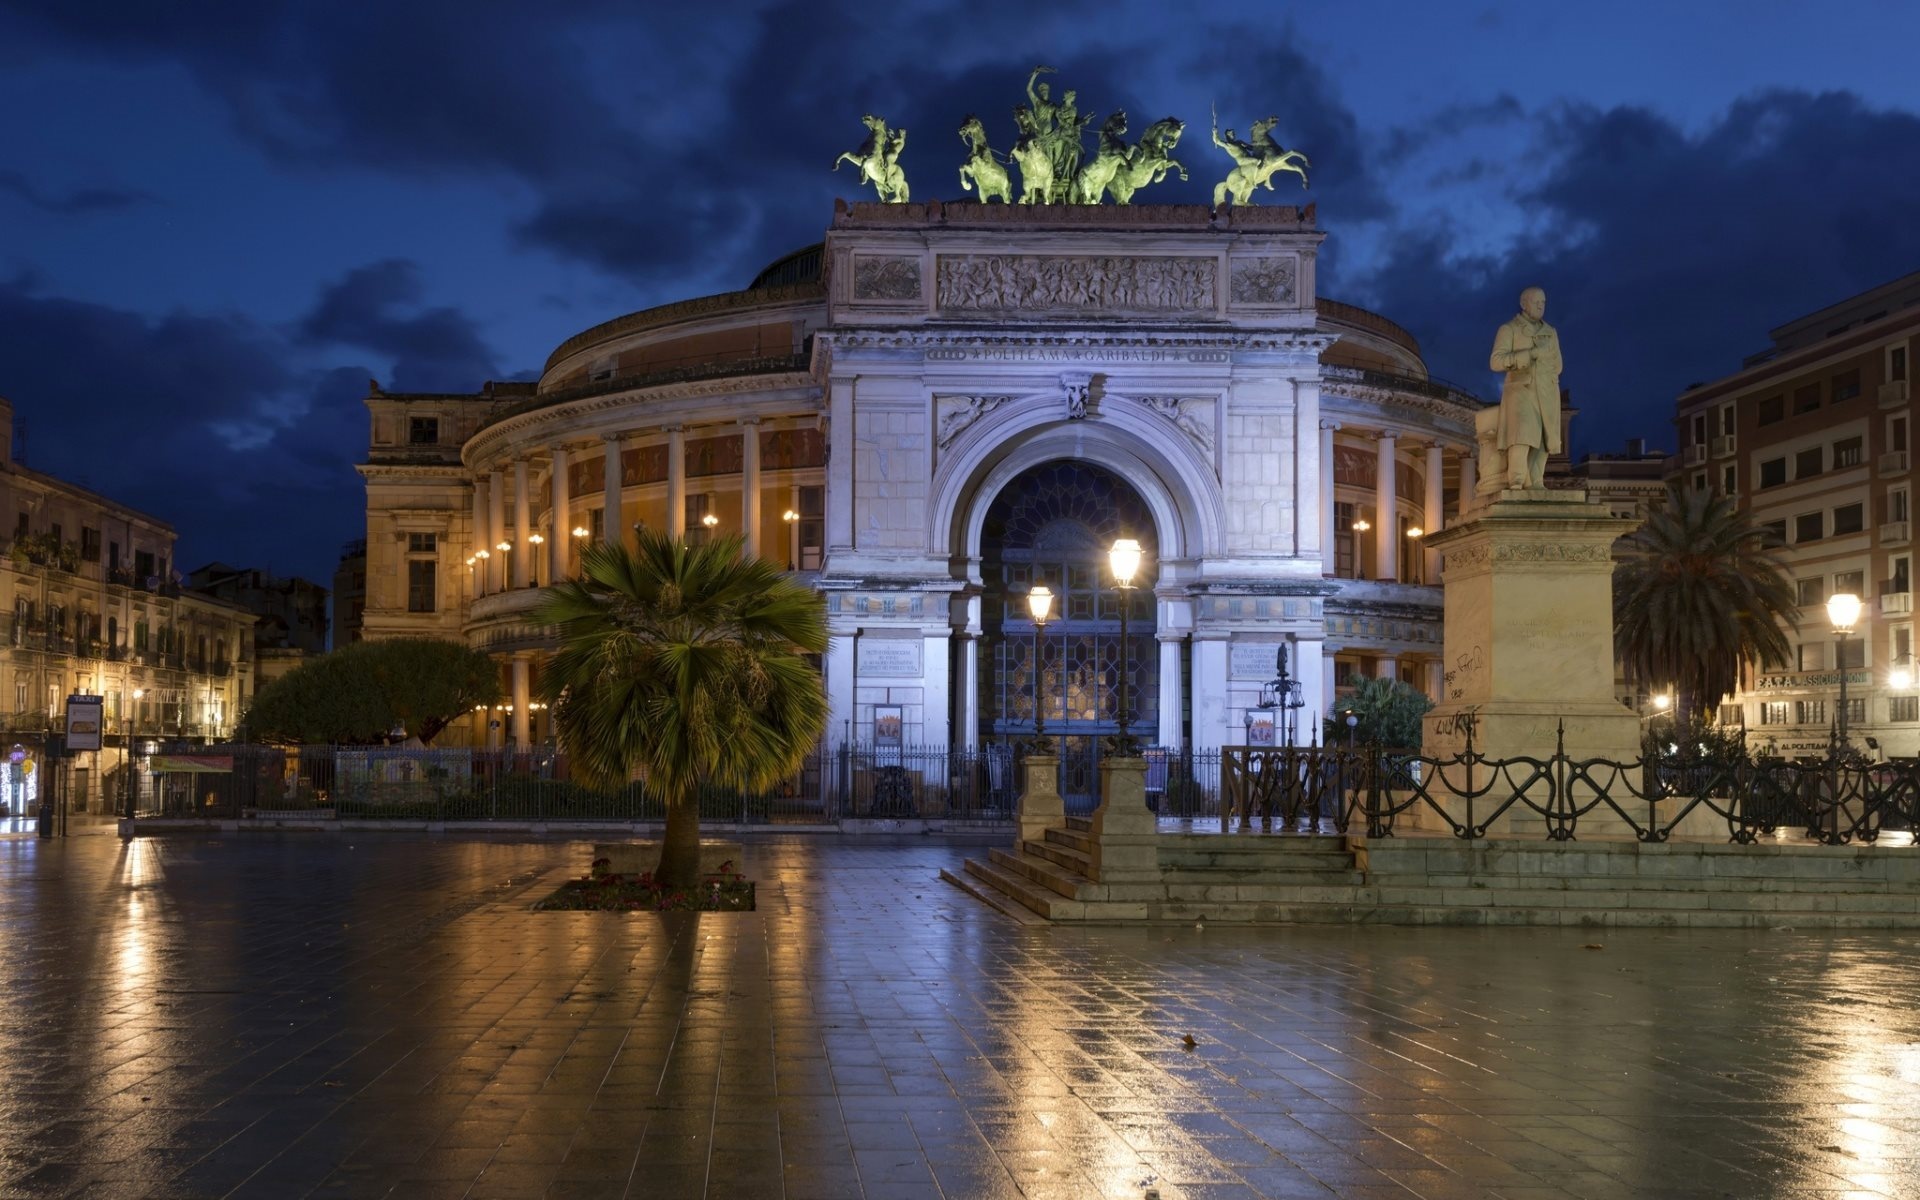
pixel 1040 806
pixel 1125 835
pixel 1529 642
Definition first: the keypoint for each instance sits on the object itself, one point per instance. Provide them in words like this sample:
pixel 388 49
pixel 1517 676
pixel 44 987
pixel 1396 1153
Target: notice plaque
pixel 1253 660
pixel 897 658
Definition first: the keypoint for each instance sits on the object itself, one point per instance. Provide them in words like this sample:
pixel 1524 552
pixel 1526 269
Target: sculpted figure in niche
pixel 1527 349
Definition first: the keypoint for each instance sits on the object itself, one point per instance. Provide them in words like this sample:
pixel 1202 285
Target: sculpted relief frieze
pixel 957 414
pixel 886 278
pixel 1534 553
pixel 1191 415
pixel 1261 281
pixel 1035 283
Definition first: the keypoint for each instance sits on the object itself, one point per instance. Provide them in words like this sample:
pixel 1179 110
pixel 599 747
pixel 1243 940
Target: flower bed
pixel 726 890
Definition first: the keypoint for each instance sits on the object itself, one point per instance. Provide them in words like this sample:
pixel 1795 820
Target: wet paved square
pixel 369 1015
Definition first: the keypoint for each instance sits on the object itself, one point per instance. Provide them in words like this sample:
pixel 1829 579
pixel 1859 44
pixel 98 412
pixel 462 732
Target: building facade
pixel 95 607
pixel 1812 435
pixel 940 406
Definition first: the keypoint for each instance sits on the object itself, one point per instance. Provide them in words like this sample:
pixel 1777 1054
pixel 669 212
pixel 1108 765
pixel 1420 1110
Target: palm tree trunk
pixel 680 847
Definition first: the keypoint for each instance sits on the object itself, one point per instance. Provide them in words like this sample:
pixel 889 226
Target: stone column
pixel 497 530
pixel 840 680
pixel 1172 692
pixel 481 541
pixel 750 483
pixel 562 531
pixel 1386 533
pixel 676 481
pixel 840 496
pixel 1468 483
pixel 970 691
pixel 1330 677
pixel 522 526
pixel 522 700
pixel 612 528
pixel 936 718
pixel 1387 667
pixel 1329 541
pixel 1436 514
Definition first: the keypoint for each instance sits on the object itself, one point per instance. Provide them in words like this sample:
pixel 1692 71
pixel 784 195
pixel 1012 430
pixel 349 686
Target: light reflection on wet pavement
pixel 367 1015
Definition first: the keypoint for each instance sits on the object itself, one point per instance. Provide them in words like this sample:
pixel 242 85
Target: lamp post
pixel 1124 559
pixel 1039 607
pixel 1843 610
pixel 133 729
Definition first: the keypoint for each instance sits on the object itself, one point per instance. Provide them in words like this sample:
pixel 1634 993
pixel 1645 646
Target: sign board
pixel 84 720
pixel 1260 727
pixel 895 658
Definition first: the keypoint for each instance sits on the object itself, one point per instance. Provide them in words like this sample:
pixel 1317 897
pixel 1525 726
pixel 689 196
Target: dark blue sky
pixel 219 220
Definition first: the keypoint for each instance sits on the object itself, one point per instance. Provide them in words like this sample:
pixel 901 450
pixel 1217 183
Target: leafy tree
pixel 1697 593
pixel 687 665
pixel 1389 713
pixel 363 692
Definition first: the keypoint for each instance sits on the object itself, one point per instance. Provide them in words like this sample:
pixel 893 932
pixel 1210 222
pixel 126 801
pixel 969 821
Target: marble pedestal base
pixel 1040 807
pixel 1125 832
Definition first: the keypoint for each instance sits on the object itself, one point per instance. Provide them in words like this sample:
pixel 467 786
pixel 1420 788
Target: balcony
pixel 1894 394
pixel 1723 446
pixel 1893 533
pixel 1893 462
pixel 1694 455
pixel 1896 604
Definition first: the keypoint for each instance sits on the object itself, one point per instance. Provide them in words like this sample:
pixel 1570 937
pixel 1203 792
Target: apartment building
pixel 1813 436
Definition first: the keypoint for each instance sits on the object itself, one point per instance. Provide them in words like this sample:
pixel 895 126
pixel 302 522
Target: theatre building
pixel 940 406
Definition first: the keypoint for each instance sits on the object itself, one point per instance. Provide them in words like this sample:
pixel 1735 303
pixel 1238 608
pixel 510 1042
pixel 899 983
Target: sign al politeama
pixel 1049 152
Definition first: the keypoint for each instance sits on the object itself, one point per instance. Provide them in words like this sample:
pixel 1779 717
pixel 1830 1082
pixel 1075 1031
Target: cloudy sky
pixel 218 220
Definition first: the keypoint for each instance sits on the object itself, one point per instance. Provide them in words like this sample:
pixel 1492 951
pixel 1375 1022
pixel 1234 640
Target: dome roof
pixel 802 266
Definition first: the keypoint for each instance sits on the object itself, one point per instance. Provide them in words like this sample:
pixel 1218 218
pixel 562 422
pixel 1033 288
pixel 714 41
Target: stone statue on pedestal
pixel 1527 349
pixel 1255 161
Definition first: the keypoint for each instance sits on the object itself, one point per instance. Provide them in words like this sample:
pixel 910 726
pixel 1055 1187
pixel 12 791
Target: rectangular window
pixel 1903 708
pixel 1699 429
pixel 1897 582
pixel 1733 714
pixel 1809 712
pixel 1809 527
pixel 1729 480
pixel 1851 655
pixel 1699 481
pixel 423 431
pixel 1851 582
pixel 1846 453
pixel 1808 462
pixel 1846 385
pixel 597 524
pixel 1773 712
pixel 1856 710
pixel 89 544
pixel 1811 591
pixel 1773 533
pixel 1849 518
pixel 421 575
pixel 1726 420
pixel 1896 433
pixel 142 566
pixel 813 527
pixel 1344 540
pixel 1770 410
pixel 423 543
pixel 1806 399
pixel 698 507
pixel 1897 504
pixel 1811 656
pixel 1773 472
pixel 22 526
pixel 1896 364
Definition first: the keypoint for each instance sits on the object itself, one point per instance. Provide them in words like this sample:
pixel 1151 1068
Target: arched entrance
pixel 1054 523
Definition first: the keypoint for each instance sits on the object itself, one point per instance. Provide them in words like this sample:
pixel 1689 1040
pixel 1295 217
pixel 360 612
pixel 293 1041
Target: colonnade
pixel 1386 500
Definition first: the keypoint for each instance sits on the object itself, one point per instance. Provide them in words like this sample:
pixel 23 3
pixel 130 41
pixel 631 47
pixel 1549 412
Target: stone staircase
pixel 1259 878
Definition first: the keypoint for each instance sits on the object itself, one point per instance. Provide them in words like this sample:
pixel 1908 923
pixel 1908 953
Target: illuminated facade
pixel 94 607
pixel 939 406
pixel 1813 435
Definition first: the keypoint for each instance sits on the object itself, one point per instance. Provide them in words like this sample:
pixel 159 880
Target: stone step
pixel 1073 859
pixel 1073 839
pixel 1080 824
pixel 1051 876
pixel 993 898
pixel 1305 860
pixel 1025 892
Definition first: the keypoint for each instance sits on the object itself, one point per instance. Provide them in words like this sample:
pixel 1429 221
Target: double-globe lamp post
pixel 1124 559
pixel 1843 611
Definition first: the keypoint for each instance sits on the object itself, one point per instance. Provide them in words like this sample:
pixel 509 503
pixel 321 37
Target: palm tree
pixel 1698 591
pixel 686 664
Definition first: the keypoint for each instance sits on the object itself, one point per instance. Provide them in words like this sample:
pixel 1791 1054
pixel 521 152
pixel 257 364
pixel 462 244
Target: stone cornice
pixel 451 472
pixel 494 439
pixel 681 310
pixel 1381 397
pixel 1082 344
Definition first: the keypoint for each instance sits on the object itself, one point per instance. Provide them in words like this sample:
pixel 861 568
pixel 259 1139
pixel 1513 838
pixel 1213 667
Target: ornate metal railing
pixel 1381 791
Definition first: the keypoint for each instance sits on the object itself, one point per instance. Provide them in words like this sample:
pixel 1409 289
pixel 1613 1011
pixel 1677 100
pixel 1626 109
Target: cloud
pixel 1667 255
pixel 433 349
pixel 77 202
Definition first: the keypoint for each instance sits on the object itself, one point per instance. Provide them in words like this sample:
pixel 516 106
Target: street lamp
pixel 1124 559
pixel 1901 677
pixel 133 729
pixel 1663 702
pixel 1039 607
pixel 1843 610
pixel 709 520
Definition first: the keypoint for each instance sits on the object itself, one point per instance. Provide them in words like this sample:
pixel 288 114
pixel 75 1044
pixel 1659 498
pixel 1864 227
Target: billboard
pixel 84 721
